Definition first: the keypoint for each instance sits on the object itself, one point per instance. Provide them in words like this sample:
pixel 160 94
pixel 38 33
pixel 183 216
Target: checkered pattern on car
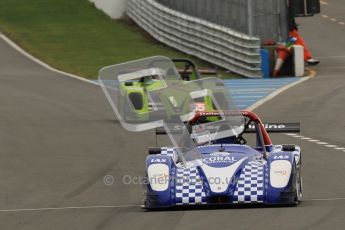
pixel 168 151
pixel 189 188
pixel 250 185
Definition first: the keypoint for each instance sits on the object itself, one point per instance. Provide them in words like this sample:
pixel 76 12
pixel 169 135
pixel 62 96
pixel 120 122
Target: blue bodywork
pixel 226 174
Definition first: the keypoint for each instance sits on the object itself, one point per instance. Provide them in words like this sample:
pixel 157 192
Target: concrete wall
pixel 114 8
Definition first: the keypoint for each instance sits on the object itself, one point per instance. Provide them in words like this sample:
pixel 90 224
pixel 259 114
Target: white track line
pixel 291 134
pixel 121 206
pixel 67 208
pixel 314 140
pixel 321 143
pixel 276 93
pixel 332 146
pixel 340 148
pixel 26 54
pixel 325 144
pixel 298 136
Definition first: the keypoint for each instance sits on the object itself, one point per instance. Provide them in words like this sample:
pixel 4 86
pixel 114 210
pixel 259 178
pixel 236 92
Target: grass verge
pixel 73 36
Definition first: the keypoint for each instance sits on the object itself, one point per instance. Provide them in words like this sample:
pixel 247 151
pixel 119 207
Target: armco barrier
pixel 262 18
pixel 216 44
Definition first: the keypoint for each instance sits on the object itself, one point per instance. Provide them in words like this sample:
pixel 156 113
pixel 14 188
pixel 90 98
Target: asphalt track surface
pixel 59 138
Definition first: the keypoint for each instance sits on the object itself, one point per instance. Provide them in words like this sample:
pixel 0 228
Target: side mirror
pixel 288 148
pixel 154 150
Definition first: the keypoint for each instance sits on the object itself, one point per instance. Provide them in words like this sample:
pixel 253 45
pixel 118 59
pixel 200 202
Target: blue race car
pixel 229 171
pixel 211 162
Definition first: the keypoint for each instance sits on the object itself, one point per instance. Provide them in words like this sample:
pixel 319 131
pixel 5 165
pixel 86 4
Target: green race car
pixel 136 90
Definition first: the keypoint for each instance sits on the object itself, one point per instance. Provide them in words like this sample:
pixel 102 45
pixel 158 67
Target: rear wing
pixel 277 128
pixel 270 128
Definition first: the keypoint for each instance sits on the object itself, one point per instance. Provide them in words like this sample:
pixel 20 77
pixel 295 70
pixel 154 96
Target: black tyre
pixel 297 182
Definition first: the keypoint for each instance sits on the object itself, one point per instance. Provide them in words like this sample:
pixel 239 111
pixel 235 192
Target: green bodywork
pixel 135 92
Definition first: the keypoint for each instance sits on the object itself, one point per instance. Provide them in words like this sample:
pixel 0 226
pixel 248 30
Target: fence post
pixel 283 18
pixel 250 17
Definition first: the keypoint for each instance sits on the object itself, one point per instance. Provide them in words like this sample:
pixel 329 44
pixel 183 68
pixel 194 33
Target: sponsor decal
pixel 211 114
pixel 158 160
pixel 209 127
pixel 269 126
pixel 281 157
pixel 219 159
pixel 280 172
pixel 217 113
pixel 251 127
pixel 220 154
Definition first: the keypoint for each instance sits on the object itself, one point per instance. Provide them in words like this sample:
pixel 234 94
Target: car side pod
pixel 282 175
pixel 159 181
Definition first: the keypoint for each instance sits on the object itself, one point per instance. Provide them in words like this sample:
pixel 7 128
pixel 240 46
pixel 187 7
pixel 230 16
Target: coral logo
pixel 219 159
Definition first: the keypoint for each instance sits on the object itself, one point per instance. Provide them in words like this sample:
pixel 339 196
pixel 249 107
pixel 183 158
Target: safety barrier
pixel 262 18
pixel 219 45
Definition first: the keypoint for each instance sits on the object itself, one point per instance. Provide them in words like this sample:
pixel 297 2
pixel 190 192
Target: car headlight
pixel 280 173
pixel 158 175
